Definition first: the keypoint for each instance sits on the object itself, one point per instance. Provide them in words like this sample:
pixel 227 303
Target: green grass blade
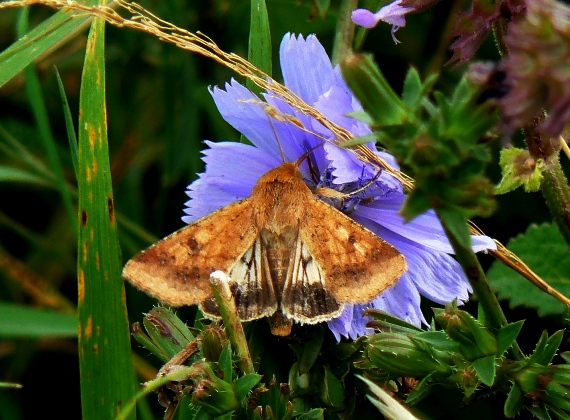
pixel 68 124
pixel 39 110
pixel 43 39
pixel 24 322
pixel 106 369
pixel 259 49
pixel 36 98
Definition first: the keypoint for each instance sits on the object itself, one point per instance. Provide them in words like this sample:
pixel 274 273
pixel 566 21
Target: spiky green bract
pixel 468 355
pixel 438 140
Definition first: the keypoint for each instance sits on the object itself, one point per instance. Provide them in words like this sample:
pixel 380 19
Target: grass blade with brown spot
pixel 107 375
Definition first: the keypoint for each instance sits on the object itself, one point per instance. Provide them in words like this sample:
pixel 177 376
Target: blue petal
pixel 232 170
pixel 306 67
pixel 425 229
pixel 401 300
pixel 244 111
pixel 350 323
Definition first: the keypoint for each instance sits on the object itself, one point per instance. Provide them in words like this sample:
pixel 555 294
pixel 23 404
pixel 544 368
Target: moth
pixel 289 256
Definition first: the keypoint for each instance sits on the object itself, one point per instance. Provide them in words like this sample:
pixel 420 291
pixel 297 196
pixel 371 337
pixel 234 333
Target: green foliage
pixel 546 253
pixel 437 141
pixel 22 321
pixel 259 48
pixel 467 354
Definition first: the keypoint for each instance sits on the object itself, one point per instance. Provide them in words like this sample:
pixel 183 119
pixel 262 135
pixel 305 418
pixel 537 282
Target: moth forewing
pixel 176 270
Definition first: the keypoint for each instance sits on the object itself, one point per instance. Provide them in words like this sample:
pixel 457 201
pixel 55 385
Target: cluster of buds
pixel 468 354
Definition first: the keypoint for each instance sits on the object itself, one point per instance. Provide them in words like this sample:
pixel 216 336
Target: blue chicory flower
pixel 232 170
pixel 393 13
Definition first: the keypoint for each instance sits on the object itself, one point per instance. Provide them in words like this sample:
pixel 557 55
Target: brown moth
pixel 289 255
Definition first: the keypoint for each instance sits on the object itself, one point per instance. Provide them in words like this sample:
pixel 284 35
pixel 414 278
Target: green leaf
pixel 323 7
pixel 544 250
pixel 412 90
pixel 106 370
pixel 225 363
pixel 546 348
pixel 507 335
pixel 373 90
pixel 245 384
pixel 514 402
pixel 310 351
pixel 259 50
pixel 388 322
pixel 167 333
pixel 25 322
pixel 486 369
pixel 314 414
pixel 421 390
pixel 47 36
pixel 10 385
pixel 39 110
pixel 331 389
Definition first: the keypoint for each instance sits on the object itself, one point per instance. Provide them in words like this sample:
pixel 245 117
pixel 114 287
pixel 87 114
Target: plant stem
pixel 344 34
pixel 476 276
pixel 228 311
pixel 555 184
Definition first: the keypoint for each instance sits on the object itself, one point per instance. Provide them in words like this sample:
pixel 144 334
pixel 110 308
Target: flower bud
pixel 475 340
pixel 212 393
pixel 213 341
pixel 402 355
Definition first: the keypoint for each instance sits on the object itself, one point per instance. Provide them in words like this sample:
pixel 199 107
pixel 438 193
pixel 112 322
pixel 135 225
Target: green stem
pixel 344 34
pixel 476 276
pixel 557 195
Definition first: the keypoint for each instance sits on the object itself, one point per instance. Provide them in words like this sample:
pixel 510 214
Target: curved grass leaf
pixel 12 174
pixel 44 38
pixel 106 370
pixel 24 322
